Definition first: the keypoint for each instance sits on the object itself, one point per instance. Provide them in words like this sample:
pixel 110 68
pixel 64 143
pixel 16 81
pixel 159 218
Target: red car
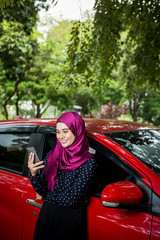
pixel 125 199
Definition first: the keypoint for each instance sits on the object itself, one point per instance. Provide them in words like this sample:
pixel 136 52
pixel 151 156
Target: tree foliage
pixel 143 22
pixel 100 45
pixel 24 12
pixel 16 50
pixel 18 46
pixel 5 3
pixel 123 36
pixel 150 109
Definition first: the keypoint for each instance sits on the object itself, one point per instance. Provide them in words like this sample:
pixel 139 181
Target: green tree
pixel 24 12
pixel 84 97
pixel 142 19
pixel 95 45
pixel 42 86
pixel 17 50
pixel 150 109
pixel 17 47
pixel 58 92
pixel 99 45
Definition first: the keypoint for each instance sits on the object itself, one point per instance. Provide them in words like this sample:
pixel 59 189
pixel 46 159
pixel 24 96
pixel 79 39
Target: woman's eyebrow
pixel 62 129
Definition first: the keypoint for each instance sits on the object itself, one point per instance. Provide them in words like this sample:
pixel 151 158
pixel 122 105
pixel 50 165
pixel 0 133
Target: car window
pixel 108 170
pixel 144 144
pixel 13 150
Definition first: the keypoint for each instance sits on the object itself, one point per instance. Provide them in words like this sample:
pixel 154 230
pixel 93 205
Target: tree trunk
pixel 38 115
pixel 9 98
pixel 132 110
pixel 17 105
pixel 40 110
pixel 134 104
pixel 5 110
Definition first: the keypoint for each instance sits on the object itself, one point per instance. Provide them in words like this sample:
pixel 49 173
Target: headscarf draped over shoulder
pixel 69 158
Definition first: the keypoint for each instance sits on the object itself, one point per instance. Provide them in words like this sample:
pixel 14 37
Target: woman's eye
pixel 65 132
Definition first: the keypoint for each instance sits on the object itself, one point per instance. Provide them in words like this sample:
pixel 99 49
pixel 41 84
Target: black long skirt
pixel 61 223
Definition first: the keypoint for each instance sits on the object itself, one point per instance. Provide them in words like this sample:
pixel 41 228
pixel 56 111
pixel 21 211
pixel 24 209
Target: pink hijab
pixel 71 157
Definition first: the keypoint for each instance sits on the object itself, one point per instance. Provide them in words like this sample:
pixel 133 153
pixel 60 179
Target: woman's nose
pixel 61 135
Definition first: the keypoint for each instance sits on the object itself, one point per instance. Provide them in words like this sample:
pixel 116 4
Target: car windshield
pixel 144 144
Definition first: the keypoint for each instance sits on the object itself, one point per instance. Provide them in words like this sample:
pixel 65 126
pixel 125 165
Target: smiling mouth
pixel 63 142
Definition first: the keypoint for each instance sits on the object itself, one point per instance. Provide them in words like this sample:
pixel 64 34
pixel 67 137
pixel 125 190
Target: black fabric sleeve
pixel 38 182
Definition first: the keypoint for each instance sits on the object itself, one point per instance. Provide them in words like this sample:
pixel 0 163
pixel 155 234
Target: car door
pixel 31 209
pixel 43 141
pixel 112 223
pixel 13 142
pixel 155 233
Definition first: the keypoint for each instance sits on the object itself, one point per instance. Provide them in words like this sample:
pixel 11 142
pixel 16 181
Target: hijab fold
pixel 69 158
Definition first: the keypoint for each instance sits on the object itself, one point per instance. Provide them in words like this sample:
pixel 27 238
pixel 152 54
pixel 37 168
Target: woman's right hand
pixel 33 167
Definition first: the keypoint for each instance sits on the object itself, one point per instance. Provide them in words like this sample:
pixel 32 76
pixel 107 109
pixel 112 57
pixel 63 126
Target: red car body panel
pixel 103 223
pixel 113 224
pixel 12 187
pixel 155 228
pixel 30 213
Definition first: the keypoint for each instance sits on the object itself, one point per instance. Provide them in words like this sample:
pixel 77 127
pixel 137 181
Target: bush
pixel 111 111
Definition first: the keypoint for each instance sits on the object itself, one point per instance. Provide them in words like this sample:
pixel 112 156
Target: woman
pixel 65 182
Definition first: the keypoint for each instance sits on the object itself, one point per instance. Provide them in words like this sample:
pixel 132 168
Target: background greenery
pixel 107 63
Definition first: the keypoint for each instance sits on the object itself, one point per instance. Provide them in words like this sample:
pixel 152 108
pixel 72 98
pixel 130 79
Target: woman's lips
pixel 63 142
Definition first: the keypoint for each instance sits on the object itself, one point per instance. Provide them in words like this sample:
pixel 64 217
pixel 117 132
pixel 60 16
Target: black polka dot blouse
pixel 72 188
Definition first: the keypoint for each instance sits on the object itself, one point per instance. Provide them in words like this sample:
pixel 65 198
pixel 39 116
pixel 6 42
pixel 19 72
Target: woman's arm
pixel 39 185
pixel 37 180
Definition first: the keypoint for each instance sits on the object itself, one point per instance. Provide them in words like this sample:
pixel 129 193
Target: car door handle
pixel 33 203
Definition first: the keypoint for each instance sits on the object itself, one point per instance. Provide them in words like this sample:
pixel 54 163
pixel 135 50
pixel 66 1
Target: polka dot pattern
pixel 71 187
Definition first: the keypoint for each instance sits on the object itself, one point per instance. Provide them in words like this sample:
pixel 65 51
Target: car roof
pixel 100 125
pixel 110 125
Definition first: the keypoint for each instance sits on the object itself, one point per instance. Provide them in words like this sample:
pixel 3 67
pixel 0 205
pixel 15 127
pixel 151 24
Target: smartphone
pixel 36 157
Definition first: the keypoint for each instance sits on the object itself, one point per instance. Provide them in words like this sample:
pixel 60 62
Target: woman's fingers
pixel 31 158
pixel 33 167
pixel 36 167
pixel 37 164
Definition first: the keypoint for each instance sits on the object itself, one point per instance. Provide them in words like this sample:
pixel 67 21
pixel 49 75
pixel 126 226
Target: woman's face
pixel 64 135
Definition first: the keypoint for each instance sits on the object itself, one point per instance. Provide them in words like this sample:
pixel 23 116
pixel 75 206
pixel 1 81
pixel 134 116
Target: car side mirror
pixel 122 194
